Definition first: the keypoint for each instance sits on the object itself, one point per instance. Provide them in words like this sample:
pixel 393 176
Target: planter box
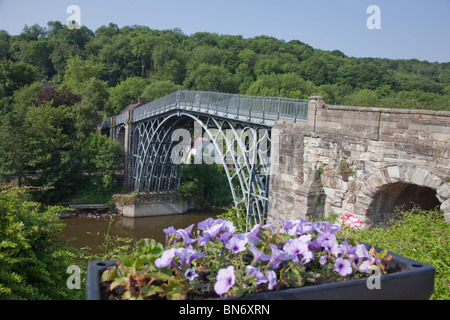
pixel 413 281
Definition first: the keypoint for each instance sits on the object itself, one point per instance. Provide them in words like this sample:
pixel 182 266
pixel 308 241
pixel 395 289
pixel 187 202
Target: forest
pixel 57 84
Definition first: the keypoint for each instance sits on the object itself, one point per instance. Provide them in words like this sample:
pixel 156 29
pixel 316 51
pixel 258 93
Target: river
pixel 89 231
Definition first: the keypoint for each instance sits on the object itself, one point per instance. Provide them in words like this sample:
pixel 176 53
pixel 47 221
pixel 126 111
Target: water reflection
pixel 89 232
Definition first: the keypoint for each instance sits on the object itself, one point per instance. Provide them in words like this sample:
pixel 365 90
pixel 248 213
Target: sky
pixel 408 29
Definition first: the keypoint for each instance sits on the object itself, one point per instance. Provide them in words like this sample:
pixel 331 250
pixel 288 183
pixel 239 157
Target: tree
pixel 94 95
pixel 319 70
pixel 158 89
pixel 125 93
pixel 15 75
pixel 101 158
pixel 51 151
pixel 212 78
pixel 79 71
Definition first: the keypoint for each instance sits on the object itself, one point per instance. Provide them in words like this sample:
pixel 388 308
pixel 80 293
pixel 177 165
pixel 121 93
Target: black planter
pixel 413 280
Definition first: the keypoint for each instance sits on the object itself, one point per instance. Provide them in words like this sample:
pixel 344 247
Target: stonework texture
pixel 359 160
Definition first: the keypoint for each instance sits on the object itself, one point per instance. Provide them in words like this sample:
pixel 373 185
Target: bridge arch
pixel 238 144
pixel 400 185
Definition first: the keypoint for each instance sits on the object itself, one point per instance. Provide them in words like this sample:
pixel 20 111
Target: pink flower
pixel 351 221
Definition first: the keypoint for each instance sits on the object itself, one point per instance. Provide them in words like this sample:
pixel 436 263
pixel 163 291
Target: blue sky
pixel 409 28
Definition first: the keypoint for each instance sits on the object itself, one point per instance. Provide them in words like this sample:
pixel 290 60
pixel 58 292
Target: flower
pixel 187 255
pixel 297 247
pixel 190 274
pixel 258 255
pixel 225 280
pixel 253 235
pixel 236 244
pixel 351 221
pixel 343 267
pixel 166 259
pixel 259 276
pixel 272 277
pixel 277 256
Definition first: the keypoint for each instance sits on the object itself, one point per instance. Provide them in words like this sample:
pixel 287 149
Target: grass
pixel 419 235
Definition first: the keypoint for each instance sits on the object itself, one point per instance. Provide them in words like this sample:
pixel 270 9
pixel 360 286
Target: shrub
pixel 33 260
pixel 419 235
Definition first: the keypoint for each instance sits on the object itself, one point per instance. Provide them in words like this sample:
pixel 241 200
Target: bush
pixel 208 181
pixel 419 235
pixel 33 260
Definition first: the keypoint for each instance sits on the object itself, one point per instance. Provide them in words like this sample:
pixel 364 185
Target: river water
pixel 89 231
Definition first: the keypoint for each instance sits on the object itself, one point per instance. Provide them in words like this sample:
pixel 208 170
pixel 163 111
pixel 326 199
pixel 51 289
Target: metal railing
pixel 256 109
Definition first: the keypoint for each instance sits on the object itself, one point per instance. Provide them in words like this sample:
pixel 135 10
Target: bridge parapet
pixel 254 109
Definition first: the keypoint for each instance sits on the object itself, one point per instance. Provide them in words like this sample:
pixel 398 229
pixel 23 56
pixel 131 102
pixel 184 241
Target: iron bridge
pixel 184 127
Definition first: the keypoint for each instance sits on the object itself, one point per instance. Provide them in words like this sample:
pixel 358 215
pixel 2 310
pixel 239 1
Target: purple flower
pixel 225 280
pixel 347 249
pixel 272 277
pixel 323 259
pixel 297 248
pixel 205 224
pixel 343 267
pixel 327 241
pixel 187 255
pixel 258 255
pixel 259 276
pixel 361 252
pixel 365 266
pixel 277 256
pixel 204 239
pixel 235 244
pixel 166 259
pixel 190 274
pixel 325 226
pixel 302 227
pixel 218 227
pixel 253 235
pixel 186 237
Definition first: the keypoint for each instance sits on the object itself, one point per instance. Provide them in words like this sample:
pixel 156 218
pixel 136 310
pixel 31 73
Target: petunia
pixel 235 244
pixel 343 267
pixel 225 280
pixel 205 224
pixel 298 249
pixel 272 277
pixel 259 276
pixel 166 259
pixel 190 274
pixel 253 235
pixel 204 238
pixel 258 255
pixel 187 255
pixel 186 235
pixel 277 256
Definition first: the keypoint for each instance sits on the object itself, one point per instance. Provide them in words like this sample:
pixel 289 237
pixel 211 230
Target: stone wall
pixel 343 158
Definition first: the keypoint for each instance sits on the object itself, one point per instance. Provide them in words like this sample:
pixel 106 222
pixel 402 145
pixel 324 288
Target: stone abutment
pixel 364 161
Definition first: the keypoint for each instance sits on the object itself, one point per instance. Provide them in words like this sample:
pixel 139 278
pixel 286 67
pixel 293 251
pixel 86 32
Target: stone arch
pixel 398 179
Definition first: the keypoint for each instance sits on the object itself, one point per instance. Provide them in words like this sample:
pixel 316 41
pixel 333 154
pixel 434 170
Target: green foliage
pixel 419 235
pixel 159 89
pixel 33 259
pixel 238 217
pixel 78 71
pixel 15 75
pixel 207 181
pixel 125 93
pixel 101 158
